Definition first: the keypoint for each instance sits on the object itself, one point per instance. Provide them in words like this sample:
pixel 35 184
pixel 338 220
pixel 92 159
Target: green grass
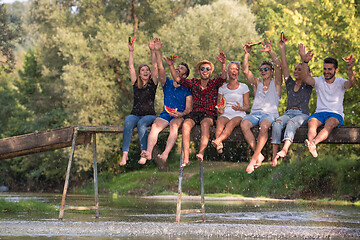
pixel 25 206
pixel 330 178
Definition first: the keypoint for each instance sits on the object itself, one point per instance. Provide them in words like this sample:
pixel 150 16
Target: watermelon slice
pixel 173 56
pixel 348 59
pixel 132 40
pixel 251 44
pixel 282 37
pixel 170 110
pixel 222 103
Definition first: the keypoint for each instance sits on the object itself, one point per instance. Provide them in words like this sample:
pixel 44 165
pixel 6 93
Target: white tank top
pixel 266 102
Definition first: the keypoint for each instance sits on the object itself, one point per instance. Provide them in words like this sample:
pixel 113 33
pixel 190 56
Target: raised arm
pixel 222 58
pixel 170 62
pixel 284 65
pixel 162 75
pixel 305 58
pixel 351 77
pixel 277 63
pixel 245 68
pixel 132 71
pixel 154 71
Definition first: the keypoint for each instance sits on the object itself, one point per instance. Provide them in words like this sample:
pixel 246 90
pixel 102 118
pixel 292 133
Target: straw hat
pixel 204 62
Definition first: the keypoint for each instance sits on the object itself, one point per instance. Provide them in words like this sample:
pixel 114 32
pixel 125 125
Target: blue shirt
pixel 175 97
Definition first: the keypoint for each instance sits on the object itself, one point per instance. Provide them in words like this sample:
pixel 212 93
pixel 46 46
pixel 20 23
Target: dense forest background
pixel 66 63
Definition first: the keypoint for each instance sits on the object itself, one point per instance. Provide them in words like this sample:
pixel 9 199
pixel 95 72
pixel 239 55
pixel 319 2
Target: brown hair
pixel 267 62
pixel 139 81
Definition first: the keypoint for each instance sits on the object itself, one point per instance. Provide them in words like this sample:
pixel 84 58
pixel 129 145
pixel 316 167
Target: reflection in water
pixel 130 209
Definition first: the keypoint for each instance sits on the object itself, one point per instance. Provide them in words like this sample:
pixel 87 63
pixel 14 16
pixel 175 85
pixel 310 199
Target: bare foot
pixel 185 164
pixel 163 157
pixel 219 146
pixel 259 161
pixel 200 157
pixel 123 159
pixel 312 148
pixel 143 158
pixel 145 154
pixel 250 168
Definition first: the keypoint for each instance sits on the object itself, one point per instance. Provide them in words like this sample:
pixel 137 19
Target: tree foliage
pixel 11 32
pixel 76 70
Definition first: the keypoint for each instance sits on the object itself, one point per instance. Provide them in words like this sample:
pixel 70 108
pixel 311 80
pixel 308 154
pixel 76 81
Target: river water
pixel 143 218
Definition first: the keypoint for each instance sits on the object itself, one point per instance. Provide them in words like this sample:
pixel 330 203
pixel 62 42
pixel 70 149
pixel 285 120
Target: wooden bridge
pixel 79 135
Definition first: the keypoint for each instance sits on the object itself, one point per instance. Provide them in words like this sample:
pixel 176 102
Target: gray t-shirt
pixel 299 99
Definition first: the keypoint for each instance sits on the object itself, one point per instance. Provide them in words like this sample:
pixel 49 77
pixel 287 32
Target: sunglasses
pixel 205 68
pixel 264 69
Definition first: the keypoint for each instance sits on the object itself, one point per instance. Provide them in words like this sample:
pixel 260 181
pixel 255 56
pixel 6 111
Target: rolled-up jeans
pixel 141 122
pixel 292 119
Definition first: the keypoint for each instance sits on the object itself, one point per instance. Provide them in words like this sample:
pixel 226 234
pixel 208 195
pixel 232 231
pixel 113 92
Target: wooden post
pixel 66 185
pixel 178 205
pixel 96 189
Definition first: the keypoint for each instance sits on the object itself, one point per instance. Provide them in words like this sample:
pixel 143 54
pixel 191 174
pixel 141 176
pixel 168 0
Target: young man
pixel 264 110
pixel 175 96
pixel 205 92
pixel 330 92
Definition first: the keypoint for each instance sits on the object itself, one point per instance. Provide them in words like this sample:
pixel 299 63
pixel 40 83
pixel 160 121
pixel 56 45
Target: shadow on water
pixel 140 210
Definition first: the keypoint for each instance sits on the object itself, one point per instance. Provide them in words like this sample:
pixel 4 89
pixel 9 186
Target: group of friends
pixel 195 101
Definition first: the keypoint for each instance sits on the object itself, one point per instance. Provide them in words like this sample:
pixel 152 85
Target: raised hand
pixel 157 44
pixel 267 45
pixel 350 63
pixel 151 44
pixel 281 44
pixel 169 60
pixel 305 57
pixel 247 48
pixel 131 46
pixel 221 57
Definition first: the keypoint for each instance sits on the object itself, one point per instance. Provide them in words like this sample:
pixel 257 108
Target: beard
pixel 330 76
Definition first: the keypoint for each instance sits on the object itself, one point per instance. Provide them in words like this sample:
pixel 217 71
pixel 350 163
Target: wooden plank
pixel 40 142
pixel 341 135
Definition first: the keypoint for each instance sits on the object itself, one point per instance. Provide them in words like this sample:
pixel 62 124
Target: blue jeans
pixel 257 117
pixel 141 122
pixel 292 119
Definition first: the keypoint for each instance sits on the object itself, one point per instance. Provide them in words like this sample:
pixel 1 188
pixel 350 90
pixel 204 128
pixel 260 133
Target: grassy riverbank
pixel 25 206
pixel 330 178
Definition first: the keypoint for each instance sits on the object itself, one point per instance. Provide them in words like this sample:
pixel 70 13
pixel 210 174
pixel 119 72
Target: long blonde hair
pixel 140 83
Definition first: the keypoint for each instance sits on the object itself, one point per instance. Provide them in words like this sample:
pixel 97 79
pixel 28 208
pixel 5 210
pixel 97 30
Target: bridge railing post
pixel 179 211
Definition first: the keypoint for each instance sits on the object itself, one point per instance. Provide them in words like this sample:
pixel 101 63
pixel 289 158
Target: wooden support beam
pixel 40 142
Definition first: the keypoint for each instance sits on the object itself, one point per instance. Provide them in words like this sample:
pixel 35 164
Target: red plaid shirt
pixel 204 100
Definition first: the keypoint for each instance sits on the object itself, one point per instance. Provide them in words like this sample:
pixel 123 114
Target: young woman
pixel 297 108
pixel 144 83
pixel 236 95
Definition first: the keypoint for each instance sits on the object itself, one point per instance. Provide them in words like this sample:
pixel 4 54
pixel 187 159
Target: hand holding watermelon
pixel 348 59
pixel 221 105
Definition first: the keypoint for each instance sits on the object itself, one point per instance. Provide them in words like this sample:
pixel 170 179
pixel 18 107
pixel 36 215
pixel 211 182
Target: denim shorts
pixel 257 117
pixel 166 116
pixel 324 116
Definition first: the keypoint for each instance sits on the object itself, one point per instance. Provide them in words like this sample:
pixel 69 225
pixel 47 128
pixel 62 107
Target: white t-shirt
pixel 330 96
pixel 266 102
pixel 233 97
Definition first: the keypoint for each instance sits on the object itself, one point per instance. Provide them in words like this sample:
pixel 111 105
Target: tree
pixel 11 33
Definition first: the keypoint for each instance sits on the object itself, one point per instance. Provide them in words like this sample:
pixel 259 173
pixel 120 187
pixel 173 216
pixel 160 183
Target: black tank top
pixel 144 99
